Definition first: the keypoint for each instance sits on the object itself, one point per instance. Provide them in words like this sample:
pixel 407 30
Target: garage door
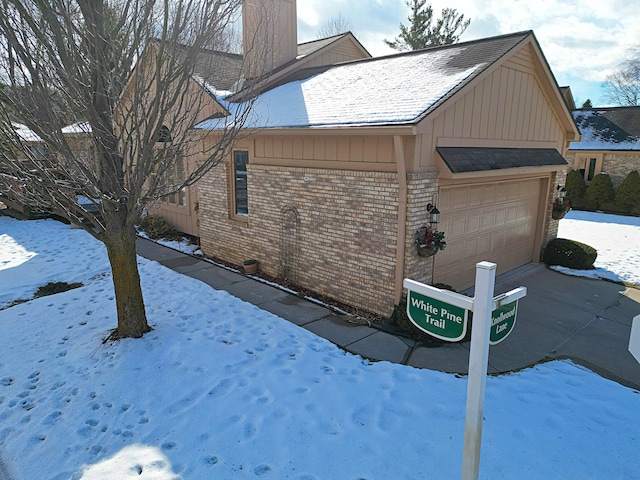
pixel 493 221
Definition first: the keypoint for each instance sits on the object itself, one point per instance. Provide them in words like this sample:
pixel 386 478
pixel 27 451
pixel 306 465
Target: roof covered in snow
pixel 77 128
pixel 612 128
pixel 25 133
pixel 392 90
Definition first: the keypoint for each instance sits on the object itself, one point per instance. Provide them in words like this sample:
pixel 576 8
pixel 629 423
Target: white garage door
pixel 493 221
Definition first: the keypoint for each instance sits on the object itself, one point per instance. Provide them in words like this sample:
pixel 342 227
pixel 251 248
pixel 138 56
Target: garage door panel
pixel 499 218
pixel 470 249
pixel 489 194
pixel 484 244
pixel 501 228
pixel 502 195
pixel 486 220
pixel 475 197
pixel 473 224
pixel 458 226
pixel 458 201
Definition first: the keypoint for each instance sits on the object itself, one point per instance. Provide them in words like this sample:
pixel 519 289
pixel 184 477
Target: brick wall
pixel 619 164
pixel 551 227
pixel 421 190
pixel 346 237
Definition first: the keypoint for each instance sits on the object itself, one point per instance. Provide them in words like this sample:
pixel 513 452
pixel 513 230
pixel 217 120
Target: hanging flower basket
pixel 429 242
pixel 427 250
pixel 560 208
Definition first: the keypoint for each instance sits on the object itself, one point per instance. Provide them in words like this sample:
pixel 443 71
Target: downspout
pixel 401 168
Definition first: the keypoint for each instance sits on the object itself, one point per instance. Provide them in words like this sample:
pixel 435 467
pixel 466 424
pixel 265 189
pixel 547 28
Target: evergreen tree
pixel 628 193
pixel 576 188
pixel 587 105
pixel 421 33
pixel 600 193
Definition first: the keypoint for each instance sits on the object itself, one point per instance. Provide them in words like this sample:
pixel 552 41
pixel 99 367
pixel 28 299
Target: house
pixel 241 77
pixel 346 160
pixel 12 189
pixel 610 142
pixel 346 157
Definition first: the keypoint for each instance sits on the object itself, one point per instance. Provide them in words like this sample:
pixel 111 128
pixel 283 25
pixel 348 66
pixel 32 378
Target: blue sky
pixel 583 40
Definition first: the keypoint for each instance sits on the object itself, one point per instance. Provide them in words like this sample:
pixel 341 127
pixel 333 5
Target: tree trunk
pixel 121 248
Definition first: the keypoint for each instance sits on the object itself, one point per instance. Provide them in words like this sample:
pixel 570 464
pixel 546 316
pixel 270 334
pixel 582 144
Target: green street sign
pixel 503 319
pixel 437 318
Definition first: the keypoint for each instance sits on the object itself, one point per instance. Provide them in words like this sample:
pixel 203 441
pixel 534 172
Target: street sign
pixel 443 314
pixel 503 319
pixel 437 318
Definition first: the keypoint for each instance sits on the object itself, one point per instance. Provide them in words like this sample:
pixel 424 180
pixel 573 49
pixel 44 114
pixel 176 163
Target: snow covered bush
pixel 570 254
pixel 157 227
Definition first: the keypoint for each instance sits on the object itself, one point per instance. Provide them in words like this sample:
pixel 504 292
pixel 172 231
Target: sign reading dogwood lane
pixel 437 317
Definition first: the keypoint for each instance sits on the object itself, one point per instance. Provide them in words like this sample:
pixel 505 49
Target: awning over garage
pixel 477 159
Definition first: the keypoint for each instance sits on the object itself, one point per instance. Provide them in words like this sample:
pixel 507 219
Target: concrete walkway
pixel 588 321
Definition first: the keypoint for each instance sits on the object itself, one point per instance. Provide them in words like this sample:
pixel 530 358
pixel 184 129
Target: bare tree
pixel 623 86
pixel 422 33
pixel 335 26
pixel 138 76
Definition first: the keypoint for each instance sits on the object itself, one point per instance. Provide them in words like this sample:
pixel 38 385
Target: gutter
pixel 401 168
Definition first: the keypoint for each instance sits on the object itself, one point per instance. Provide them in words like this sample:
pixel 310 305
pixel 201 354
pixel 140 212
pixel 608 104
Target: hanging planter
pixel 429 241
pixel 560 208
pixel 427 250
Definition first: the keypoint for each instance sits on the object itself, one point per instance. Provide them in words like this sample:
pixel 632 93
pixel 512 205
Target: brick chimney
pixel 269 34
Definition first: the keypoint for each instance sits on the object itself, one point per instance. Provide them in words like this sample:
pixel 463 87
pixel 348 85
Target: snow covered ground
pixel 221 389
pixel 615 237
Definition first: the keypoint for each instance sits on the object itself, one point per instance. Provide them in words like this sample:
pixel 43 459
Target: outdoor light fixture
pixel 562 190
pixel 433 214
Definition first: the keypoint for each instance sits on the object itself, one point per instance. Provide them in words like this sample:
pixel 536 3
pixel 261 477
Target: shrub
pixel 628 194
pixel 157 227
pixel 575 188
pixel 52 288
pixel 599 193
pixel 570 254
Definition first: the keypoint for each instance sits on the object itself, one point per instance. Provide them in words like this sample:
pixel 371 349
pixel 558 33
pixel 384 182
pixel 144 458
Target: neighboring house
pixel 610 142
pixel 337 176
pixel 13 192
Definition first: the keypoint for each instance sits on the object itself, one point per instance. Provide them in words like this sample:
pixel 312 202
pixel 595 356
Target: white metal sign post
pixel 437 313
pixel 478 361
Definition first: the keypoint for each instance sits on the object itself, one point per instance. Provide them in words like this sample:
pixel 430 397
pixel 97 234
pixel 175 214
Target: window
pixel 592 169
pixel 588 167
pixel 176 176
pixel 240 160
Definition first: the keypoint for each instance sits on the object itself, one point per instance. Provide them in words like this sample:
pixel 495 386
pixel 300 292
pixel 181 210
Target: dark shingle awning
pixel 477 159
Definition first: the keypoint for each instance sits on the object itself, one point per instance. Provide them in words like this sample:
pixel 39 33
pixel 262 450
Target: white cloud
pixel 582 39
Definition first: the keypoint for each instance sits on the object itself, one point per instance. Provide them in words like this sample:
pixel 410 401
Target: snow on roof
pixel 389 90
pixel 80 127
pixel 25 133
pixel 599 132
